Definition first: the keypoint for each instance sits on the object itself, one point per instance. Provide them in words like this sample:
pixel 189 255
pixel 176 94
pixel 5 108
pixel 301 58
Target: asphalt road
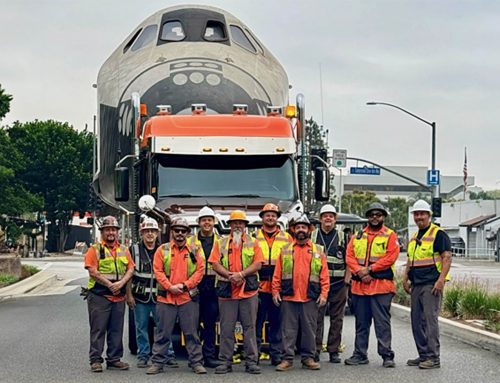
pixel 45 339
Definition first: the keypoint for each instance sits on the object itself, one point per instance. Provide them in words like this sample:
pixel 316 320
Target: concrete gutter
pixel 466 334
pixel 43 277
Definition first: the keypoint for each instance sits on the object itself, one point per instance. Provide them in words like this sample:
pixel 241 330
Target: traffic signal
pixel 322 153
pixel 436 206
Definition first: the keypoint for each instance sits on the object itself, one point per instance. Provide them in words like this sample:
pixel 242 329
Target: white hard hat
pixel 328 209
pixel 149 223
pixel 421 205
pixel 206 212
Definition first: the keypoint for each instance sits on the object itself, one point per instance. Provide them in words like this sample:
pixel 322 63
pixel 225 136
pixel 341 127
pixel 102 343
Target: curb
pixel 27 285
pixel 466 334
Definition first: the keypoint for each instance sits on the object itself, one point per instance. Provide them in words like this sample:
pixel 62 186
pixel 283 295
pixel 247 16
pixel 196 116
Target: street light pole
pixel 433 142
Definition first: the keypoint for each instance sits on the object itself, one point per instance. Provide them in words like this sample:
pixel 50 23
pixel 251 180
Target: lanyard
pixel 324 242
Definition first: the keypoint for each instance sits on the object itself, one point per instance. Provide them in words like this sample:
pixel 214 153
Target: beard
pixel 237 237
pixel 378 226
pixel 301 235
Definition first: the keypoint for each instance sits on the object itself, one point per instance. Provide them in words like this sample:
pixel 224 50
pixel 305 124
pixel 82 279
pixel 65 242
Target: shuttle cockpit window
pixel 131 41
pixel 172 31
pixel 147 36
pixel 215 31
pixel 239 37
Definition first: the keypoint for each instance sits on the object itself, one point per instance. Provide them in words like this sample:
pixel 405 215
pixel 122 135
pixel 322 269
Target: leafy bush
pixel 472 304
pixel 451 301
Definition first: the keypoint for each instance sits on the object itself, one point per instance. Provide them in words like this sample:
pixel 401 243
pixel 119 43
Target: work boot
pixel 96 367
pixel 252 369
pixel 356 360
pixel 429 364
pixel 199 369
pixel 172 363
pixel 154 369
pixel 316 358
pixel 212 362
pixel 285 365
pixel 334 357
pixel 118 365
pixel 414 362
pixel 141 363
pixel 223 369
pixel 389 363
pixel 310 364
pixel 275 361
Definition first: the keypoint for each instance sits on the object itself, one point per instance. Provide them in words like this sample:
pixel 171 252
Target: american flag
pixel 465 170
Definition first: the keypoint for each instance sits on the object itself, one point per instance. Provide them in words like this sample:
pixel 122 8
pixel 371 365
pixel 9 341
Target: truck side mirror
pixel 121 184
pixel 321 184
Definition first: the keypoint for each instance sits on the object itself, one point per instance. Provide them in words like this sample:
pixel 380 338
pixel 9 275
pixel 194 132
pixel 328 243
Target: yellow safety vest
pixel 194 243
pixel 314 287
pixel 421 253
pixel 271 254
pixel 378 249
pixel 111 268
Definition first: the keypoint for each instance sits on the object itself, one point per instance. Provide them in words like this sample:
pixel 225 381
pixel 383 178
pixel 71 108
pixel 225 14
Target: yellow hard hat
pixel 238 215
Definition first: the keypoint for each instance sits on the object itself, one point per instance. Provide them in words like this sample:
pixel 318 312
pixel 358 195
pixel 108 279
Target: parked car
pixel 457 246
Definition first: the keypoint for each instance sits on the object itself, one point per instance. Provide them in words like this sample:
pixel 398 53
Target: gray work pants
pixel 336 309
pixel 425 308
pixel 106 324
pixel 377 308
pixel 188 314
pixel 246 310
pixel 294 314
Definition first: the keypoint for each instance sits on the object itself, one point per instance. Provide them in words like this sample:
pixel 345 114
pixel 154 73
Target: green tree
pixel 398 213
pixel 60 169
pixel 5 100
pixel 356 202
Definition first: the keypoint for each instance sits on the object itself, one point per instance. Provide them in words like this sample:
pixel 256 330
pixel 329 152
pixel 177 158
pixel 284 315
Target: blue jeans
pixel 142 312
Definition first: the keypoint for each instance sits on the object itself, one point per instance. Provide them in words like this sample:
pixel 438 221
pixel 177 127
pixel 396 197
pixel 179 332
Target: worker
pixel 142 291
pixel 209 306
pixel 236 259
pixel 327 236
pixel 427 267
pixel 371 256
pixel 271 241
pixel 110 267
pixel 178 270
pixel 300 284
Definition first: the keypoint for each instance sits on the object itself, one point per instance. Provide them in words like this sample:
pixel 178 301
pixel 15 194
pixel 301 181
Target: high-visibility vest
pixel 194 243
pixel 336 265
pixel 314 287
pixel 247 254
pixel 144 284
pixel 166 251
pixel 378 249
pixel 421 253
pixel 111 268
pixel 271 254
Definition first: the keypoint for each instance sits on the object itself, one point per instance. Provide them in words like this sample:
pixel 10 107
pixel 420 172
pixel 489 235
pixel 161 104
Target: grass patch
pixel 28 271
pixel 8 279
pixel 451 300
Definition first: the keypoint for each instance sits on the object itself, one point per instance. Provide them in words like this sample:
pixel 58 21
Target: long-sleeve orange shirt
pixel 376 286
pixel 92 260
pixel 235 265
pixel 301 269
pixel 178 273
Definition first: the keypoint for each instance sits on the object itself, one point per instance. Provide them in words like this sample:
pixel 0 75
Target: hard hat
pixel 270 207
pixel 109 221
pixel 421 205
pixel 238 215
pixel 149 223
pixel 376 206
pixel 205 211
pixel 302 219
pixel 328 209
pixel 180 222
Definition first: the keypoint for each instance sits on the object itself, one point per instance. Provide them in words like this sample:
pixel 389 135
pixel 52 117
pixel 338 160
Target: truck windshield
pixel 226 176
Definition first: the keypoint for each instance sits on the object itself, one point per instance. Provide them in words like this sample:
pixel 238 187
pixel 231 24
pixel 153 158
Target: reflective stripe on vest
pixel 167 259
pixel 111 268
pixel 423 254
pixel 194 244
pixel 378 247
pixel 247 254
pixel 330 259
pixel 272 254
pixel 287 263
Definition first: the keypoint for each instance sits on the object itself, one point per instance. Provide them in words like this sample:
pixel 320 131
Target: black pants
pixel 270 312
pixel 106 325
pixel 336 308
pixel 376 307
pixel 209 311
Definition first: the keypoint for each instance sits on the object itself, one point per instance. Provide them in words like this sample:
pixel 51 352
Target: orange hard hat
pixel 238 215
pixel 270 207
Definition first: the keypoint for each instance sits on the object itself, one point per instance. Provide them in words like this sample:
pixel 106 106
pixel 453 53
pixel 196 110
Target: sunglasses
pixel 180 231
pixel 377 215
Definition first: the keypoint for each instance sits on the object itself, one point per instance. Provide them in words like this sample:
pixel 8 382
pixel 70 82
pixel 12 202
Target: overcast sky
pixel 437 59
